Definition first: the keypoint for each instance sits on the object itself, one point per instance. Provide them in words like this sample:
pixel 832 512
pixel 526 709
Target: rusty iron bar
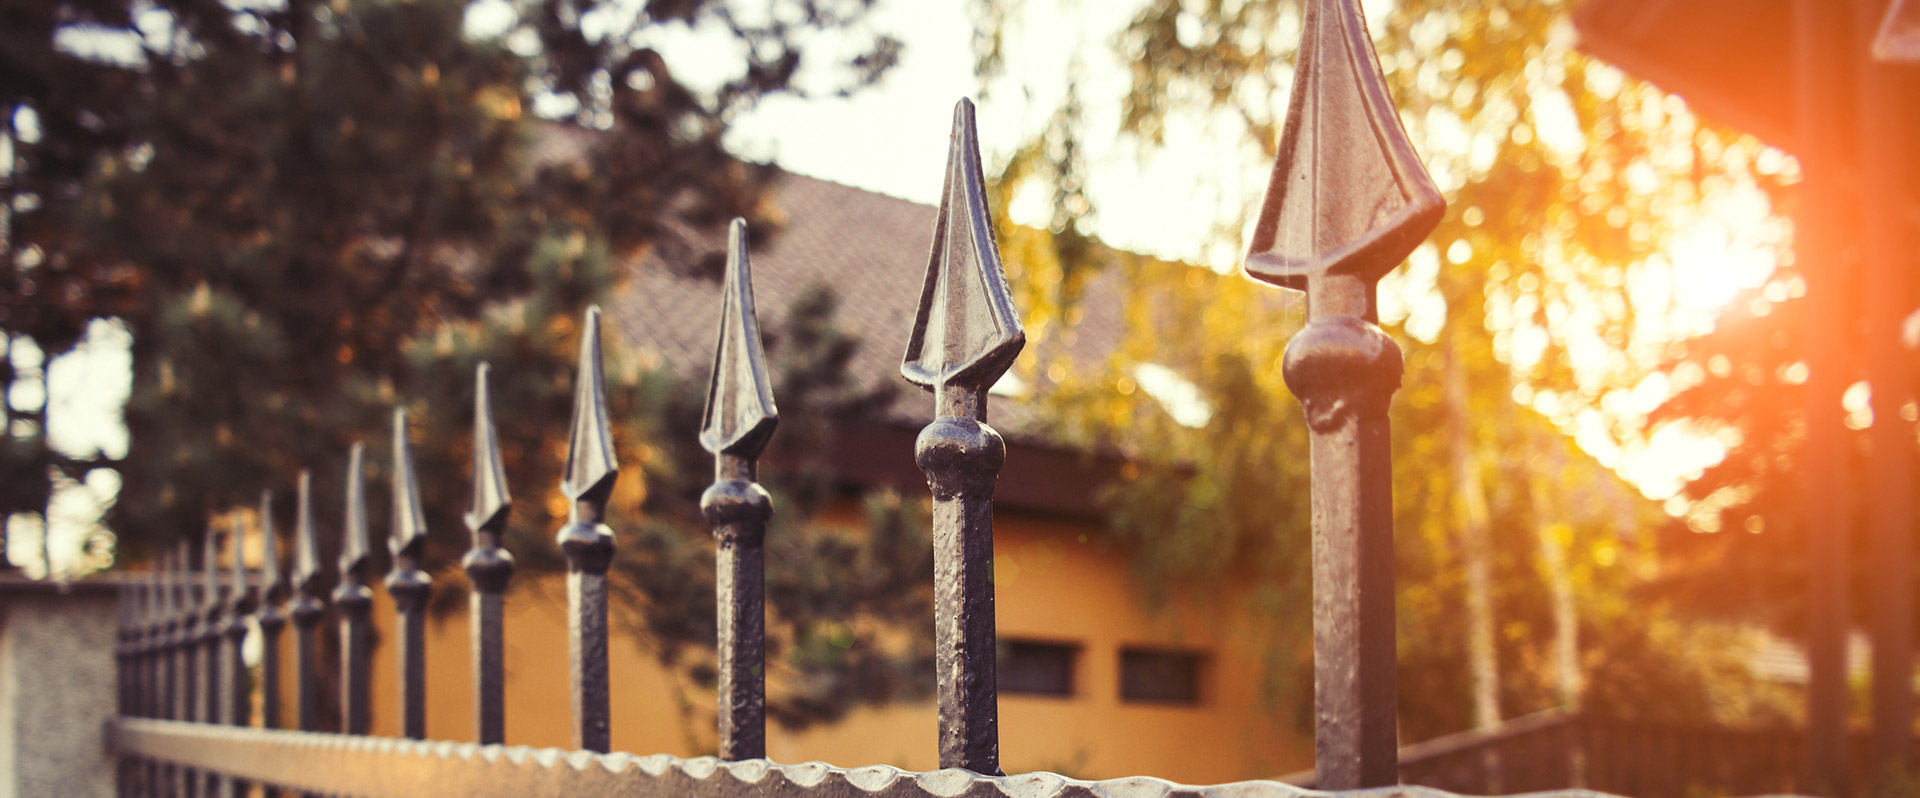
pixel 212 626
pixel 586 541
pixel 1885 141
pixel 150 618
pixel 965 336
pixel 409 586
pixel 1338 215
pixel 306 609
pixel 268 617
pixel 271 622
pixel 739 418
pixel 186 644
pixel 212 622
pixel 186 638
pixel 488 567
pixel 1819 40
pixel 160 646
pixel 239 709
pixel 354 601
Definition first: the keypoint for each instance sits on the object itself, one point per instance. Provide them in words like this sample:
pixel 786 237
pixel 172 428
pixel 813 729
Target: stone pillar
pixel 57 687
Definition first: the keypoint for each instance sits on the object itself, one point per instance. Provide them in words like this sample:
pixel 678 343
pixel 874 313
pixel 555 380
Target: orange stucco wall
pixel 1053 585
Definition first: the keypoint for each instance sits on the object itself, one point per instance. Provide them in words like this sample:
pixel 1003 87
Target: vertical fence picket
pixel 186 646
pixel 212 623
pixel 268 617
pixel 488 567
pixel 409 585
pixel 123 678
pixel 211 609
pixel 739 418
pixel 1348 200
pixel 271 621
pixel 587 542
pixel 354 601
pixel 306 609
pixel 160 652
pixel 239 709
pixel 965 336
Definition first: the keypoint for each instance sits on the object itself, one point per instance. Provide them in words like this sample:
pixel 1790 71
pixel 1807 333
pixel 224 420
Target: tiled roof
pixel 869 248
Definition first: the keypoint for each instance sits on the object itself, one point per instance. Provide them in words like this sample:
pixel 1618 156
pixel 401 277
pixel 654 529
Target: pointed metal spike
pixel 967 332
pixel 269 551
pixel 210 570
pixel 409 519
pixel 355 544
pixel 490 497
pixel 162 582
pixel 1348 193
pixel 237 574
pixel 590 461
pixel 740 413
pixel 183 577
pixel 306 569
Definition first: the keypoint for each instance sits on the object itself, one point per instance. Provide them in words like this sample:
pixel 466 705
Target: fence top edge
pixel 871 779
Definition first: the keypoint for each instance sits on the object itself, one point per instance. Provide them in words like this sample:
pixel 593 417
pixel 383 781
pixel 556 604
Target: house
pixel 1091 684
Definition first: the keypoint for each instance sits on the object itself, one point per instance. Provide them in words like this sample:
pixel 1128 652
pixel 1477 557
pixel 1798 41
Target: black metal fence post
pixel 306 609
pixel 587 542
pixel 488 567
pixel 409 585
pixel 268 617
pixel 186 648
pixel 354 601
pixel 239 709
pixel 1348 200
pixel 212 608
pixel 739 418
pixel 966 335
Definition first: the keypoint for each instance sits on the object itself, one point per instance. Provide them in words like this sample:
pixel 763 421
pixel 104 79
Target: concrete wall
pixel 56 688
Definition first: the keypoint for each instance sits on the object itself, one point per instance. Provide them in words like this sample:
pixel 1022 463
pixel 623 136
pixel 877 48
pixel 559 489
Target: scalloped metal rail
pixel 389 767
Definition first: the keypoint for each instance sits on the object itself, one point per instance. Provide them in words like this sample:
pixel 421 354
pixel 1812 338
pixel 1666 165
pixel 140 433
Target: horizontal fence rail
pixel 390 767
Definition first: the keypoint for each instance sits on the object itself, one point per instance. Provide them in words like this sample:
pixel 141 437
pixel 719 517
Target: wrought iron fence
pixel 1348 200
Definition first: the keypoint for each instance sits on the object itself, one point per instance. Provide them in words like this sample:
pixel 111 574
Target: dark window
pixel 1160 676
pixel 1034 668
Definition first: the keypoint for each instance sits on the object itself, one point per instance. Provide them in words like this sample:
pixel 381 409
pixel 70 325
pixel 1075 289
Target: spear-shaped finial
pixel 587 543
pixel 967 332
pixel 354 601
pixel 740 416
pixel 591 467
pixel 1348 200
pixel 491 499
pixel 488 567
pixel 306 566
pixel 409 517
pixel 1348 195
pixel 238 602
pixel 271 582
pixel 965 337
pixel 355 543
pixel 409 585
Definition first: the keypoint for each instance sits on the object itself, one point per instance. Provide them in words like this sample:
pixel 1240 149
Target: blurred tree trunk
pixel 1470 517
